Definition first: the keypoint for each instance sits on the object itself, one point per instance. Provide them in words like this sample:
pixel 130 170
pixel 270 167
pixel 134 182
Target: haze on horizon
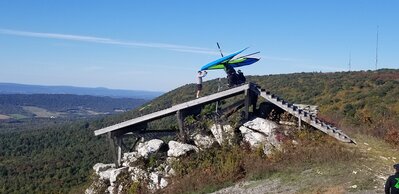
pixel 159 46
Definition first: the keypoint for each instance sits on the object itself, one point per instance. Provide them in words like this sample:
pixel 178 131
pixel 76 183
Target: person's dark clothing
pixel 231 79
pixel 199 87
pixel 231 75
pixel 241 77
pixel 392 184
pixel 230 70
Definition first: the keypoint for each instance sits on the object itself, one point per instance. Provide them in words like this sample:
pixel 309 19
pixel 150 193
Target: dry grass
pixel 220 167
pixel 392 136
pixel 332 190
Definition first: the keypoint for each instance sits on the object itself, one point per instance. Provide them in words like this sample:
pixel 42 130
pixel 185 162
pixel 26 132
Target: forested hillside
pixel 59 158
pixel 364 101
pixel 49 160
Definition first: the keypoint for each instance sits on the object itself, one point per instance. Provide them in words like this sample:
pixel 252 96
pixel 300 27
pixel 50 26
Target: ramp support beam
pixel 247 103
pixel 299 122
pixel 250 100
pixel 180 123
pixel 115 143
pixel 119 150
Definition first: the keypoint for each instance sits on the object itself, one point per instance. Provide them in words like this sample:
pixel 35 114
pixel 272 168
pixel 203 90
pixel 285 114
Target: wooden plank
pixel 173 109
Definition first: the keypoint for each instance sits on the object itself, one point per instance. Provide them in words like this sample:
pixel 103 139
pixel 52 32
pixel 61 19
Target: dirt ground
pixel 367 174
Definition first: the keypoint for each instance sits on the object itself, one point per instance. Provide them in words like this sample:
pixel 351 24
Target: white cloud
pixel 93 39
pixel 101 40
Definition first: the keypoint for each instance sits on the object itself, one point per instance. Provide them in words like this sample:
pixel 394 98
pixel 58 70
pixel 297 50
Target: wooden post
pixel 299 121
pixel 254 102
pixel 247 103
pixel 218 102
pixel 180 122
pixel 113 148
pixel 119 150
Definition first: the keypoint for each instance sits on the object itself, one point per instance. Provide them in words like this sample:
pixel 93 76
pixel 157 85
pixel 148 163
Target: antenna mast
pixel 376 51
pixel 350 60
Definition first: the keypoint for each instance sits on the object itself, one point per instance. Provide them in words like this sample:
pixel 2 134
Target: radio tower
pixel 350 60
pixel 376 52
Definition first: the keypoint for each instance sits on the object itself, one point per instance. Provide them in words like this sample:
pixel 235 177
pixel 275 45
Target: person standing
pixel 392 184
pixel 199 81
pixel 231 75
pixel 241 77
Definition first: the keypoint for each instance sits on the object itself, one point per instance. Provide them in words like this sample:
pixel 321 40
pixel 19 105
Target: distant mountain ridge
pixel 72 106
pixel 13 88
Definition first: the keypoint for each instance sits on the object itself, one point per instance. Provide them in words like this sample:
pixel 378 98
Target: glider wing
pixel 218 64
pixel 242 61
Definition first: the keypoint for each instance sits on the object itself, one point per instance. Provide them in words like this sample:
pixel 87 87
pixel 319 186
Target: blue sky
pixel 159 45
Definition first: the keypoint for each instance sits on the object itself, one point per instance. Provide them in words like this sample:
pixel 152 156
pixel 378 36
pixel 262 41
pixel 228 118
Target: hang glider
pixel 231 61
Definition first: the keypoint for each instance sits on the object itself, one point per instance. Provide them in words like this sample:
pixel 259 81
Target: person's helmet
pixel 396 166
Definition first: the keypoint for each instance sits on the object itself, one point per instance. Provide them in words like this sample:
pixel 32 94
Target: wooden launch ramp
pixel 251 91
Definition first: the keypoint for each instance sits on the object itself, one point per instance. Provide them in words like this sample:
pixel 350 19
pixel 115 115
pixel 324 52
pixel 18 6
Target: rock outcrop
pixel 222 133
pixel 260 132
pixel 149 147
pixel 257 132
pixel 130 158
pixel 177 149
pixel 100 167
pixel 203 141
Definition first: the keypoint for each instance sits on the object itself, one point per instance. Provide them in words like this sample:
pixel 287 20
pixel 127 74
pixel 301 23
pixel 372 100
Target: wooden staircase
pixel 303 115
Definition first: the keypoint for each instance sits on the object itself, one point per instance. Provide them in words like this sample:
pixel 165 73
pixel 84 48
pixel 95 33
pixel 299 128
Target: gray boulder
pixel 203 141
pixel 130 158
pixel 137 174
pixel 114 173
pixel 156 181
pixel 177 149
pixel 100 167
pixel 146 148
pixel 222 133
pixel 261 125
pixel 260 132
